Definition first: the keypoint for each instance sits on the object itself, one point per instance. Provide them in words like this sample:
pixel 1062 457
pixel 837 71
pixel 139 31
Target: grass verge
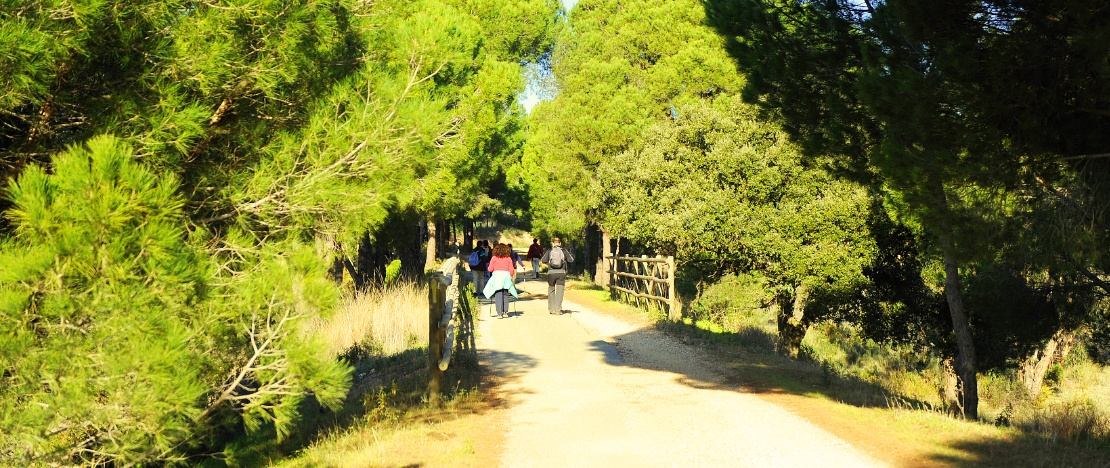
pixel 386 420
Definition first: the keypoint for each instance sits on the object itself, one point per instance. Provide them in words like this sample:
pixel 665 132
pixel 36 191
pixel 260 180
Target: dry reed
pixel 389 320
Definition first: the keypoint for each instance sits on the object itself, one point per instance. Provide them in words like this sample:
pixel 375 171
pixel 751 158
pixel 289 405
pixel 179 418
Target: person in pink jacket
pixel 500 283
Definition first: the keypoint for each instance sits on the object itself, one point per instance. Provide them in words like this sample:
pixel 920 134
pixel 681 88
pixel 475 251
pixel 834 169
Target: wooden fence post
pixel 435 337
pixel 675 313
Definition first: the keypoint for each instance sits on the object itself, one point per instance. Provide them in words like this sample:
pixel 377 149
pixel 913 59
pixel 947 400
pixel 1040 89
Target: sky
pixel 529 98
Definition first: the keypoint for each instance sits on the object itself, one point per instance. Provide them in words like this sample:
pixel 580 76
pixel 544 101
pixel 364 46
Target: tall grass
pixel 388 320
pixel 385 421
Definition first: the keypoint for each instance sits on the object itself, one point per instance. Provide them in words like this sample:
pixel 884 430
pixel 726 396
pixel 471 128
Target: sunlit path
pixel 584 389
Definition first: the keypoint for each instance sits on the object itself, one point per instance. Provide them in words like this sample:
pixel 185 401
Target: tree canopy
pixel 616 76
pixel 178 175
pixel 934 105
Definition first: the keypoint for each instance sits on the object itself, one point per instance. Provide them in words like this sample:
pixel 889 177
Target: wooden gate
pixel 646 282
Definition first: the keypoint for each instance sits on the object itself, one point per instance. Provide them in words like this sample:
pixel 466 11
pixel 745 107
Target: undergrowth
pixel 382 334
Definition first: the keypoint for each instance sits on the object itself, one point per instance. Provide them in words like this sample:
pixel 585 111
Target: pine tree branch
pixel 414 79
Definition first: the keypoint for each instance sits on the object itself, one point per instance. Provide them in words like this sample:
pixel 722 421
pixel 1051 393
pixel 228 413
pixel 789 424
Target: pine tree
pixel 249 138
pixel 618 73
pixel 118 328
pixel 958 111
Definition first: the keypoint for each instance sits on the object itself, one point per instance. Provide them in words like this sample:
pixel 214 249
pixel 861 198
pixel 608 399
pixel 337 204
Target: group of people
pixel 495 272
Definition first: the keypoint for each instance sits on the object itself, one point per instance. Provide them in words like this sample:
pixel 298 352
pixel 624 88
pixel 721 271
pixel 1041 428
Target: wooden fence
pixel 449 315
pixel 646 282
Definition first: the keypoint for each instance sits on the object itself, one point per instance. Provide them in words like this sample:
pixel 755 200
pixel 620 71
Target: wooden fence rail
pixel 449 315
pixel 646 282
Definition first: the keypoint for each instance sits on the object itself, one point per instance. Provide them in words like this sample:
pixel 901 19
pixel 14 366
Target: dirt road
pixel 585 389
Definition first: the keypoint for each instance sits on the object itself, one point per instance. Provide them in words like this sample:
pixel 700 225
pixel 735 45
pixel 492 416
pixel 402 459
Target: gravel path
pixel 585 389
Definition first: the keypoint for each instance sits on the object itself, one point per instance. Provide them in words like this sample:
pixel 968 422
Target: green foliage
pixel 617 75
pixel 100 312
pixel 725 192
pixel 155 282
pixel 120 333
pixel 392 271
pixel 949 110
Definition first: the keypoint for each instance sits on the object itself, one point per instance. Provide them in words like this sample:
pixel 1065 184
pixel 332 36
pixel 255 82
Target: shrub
pixel 735 302
pixel 392 271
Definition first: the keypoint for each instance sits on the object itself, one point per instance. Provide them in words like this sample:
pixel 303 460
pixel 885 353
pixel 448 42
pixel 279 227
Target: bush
pixel 735 302
pixel 392 271
pixel 899 370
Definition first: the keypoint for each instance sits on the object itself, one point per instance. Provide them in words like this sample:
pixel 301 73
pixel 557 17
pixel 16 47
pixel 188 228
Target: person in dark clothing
pixel 557 258
pixel 535 253
pixel 480 270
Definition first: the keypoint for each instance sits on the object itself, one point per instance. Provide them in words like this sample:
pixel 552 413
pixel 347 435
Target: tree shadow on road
pixel 746 362
pixel 505 365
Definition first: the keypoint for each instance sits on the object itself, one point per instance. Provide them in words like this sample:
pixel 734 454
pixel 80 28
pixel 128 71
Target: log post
pixel 435 337
pixel 675 312
pixel 601 274
pixel 616 267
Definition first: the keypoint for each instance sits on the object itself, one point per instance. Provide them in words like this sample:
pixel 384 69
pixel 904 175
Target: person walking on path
pixel 535 253
pixel 482 267
pixel 556 259
pixel 500 283
pixel 516 260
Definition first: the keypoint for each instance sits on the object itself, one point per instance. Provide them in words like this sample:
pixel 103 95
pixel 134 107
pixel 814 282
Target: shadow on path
pixel 746 362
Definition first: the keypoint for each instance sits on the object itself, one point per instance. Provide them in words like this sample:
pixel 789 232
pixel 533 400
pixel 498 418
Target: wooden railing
pixel 449 315
pixel 646 282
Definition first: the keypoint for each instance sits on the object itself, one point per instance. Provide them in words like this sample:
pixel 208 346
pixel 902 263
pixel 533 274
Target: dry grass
pixel 518 238
pixel 1076 420
pixel 386 421
pixel 388 320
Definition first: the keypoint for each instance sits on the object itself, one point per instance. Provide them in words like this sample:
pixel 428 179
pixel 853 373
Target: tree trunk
pixel 588 253
pixel 601 274
pixel 410 250
pixel 430 257
pixel 965 357
pixel 468 235
pixel 1035 367
pixel 336 270
pixel 1067 343
pixel 792 322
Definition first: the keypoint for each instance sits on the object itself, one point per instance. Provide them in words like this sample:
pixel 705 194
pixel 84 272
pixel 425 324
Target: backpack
pixel 474 259
pixel 556 260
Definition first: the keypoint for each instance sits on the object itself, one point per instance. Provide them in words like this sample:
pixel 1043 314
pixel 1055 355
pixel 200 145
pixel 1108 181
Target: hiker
pixel 535 252
pixel 516 260
pixel 556 259
pixel 500 283
pixel 479 263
